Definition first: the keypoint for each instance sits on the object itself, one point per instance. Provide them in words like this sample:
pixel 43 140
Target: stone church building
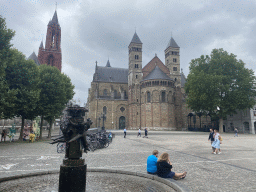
pixel 136 97
pixel 51 53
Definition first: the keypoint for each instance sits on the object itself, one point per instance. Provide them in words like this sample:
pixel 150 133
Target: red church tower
pixel 51 54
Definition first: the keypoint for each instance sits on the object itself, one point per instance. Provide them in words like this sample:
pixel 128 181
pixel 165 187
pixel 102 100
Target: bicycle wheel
pixel 106 143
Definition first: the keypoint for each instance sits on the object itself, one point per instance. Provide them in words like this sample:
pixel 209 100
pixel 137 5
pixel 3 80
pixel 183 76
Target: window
pixel 148 97
pixel 105 92
pixel 122 109
pixel 174 60
pixel 136 56
pixel 174 68
pixel 136 76
pixel 175 79
pixel 115 94
pixel 136 65
pixel 163 96
pixel 137 100
pixel 105 110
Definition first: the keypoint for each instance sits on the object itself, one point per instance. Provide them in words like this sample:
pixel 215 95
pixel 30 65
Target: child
pixel 31 137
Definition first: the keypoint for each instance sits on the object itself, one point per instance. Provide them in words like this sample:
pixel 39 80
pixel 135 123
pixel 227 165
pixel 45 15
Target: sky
pixel 98 30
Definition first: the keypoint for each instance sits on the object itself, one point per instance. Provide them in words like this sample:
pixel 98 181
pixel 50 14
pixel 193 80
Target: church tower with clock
pixel 51 54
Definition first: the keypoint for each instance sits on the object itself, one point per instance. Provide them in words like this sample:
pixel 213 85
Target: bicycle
pixel 61 147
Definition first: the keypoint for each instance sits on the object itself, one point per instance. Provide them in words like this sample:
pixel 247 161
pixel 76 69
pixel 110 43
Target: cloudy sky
pixel 95 30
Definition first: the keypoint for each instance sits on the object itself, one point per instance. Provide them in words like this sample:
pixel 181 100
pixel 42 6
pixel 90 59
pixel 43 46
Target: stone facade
pixel 136 97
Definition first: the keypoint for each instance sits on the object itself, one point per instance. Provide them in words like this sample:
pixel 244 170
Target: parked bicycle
pixel 61 147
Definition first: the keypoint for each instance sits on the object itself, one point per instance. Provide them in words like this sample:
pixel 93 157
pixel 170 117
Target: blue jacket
pixel 151 164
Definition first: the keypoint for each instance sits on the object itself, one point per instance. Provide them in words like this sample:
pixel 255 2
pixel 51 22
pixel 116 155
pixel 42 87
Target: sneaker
pixel 214 153
pixel 219 153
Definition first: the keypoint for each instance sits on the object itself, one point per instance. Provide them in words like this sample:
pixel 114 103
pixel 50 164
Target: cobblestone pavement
pixel 233 170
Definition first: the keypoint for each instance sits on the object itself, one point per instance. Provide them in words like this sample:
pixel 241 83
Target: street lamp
pixel 103 116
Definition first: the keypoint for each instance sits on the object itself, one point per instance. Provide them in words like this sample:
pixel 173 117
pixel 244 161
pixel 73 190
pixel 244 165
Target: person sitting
pixel 31 137
pixel 164 167
pixel 151 162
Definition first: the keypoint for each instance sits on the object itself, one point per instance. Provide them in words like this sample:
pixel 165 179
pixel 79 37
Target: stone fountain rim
pixel 171 183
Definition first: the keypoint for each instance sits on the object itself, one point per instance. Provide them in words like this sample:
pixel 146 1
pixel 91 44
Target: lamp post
pixel 103 116
pixel 99 121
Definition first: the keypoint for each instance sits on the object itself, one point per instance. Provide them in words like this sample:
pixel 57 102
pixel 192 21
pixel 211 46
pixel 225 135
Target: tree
pixel 220 84
pixel 56 91
pixel 22 76
pixel 7 96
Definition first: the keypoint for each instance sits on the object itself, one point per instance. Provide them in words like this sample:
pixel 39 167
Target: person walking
pixel 124 133
pixel 3 135
pixel 164 168
pixel 146 133
pixel 151 162
pixel 211 138
pixel 216 143
pixel 139 133
pixel 236 132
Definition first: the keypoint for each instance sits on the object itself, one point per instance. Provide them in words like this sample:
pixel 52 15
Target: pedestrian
pixel 139 133
pixel 151 162
pixel 236 132
pixel 216 143
pixel 124 133
pixel 211 138
pixel 146 133
pixel 32 137
pixel 164 168
pixel 3 135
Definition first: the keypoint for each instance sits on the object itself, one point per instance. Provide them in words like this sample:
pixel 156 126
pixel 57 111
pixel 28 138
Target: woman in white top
pixel 216 143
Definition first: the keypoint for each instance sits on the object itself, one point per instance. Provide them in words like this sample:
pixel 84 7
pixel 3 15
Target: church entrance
pixel 122 122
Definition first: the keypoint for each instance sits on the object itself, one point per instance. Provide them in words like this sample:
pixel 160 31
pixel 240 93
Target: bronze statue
pixel 74 130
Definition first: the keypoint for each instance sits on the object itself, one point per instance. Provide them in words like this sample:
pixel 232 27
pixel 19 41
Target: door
pixel 122 122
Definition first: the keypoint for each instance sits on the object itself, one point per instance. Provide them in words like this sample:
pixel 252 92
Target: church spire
pixel 136 39
pixel 108 64
pixel 41 45
pixel 172 43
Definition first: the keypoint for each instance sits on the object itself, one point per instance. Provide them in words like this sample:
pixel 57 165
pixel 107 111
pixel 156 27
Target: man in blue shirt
pixel 151 162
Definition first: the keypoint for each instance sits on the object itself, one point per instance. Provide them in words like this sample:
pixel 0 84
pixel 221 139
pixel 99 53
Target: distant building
pixel 136 97
pixel 51 54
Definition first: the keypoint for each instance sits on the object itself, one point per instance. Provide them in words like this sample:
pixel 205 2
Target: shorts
pixel 170 175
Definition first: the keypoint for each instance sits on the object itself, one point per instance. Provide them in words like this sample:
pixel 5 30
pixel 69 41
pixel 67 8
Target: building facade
pixel 152 96
pixel 51 53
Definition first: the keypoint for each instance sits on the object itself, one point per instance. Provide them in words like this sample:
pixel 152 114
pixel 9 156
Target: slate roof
pixel 34 58
pixel 157 73
pixel 183 80
pixel 136 39
pixel 108 64
pixel 54 19
pixel 111 74
pixel 41 45
pixel 172 43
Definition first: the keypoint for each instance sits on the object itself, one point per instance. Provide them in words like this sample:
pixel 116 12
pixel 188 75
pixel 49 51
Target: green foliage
pixel 56 91
pixel 23 77
pixel 7 96
pixel 220 80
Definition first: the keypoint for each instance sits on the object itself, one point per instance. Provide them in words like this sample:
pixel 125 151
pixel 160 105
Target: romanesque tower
pixel 134 77
pixel 51 54
pixel 172 61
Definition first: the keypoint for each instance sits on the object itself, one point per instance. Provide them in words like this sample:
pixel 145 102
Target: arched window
pixel 115 94
pixel 105 92
pixel 105 110
pixel 148 97
pixel 163 96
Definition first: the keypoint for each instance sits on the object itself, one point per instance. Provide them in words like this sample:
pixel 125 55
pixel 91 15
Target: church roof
pixel 172 43
pixel 183 80
pixel 41 45
pixel 54 18
pixel 151 66
pixel 111 74
pixel 34 58
pixel 136 39
pixel 108 64
pixel 157 73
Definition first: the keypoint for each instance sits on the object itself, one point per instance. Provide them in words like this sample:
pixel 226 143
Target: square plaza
pixel 233 170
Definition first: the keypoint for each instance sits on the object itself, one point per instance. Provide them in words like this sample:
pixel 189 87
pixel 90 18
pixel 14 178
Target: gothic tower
pixel 172 61
pixel 51 54
pixel 134 77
